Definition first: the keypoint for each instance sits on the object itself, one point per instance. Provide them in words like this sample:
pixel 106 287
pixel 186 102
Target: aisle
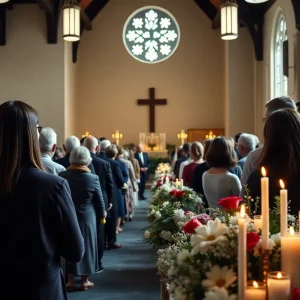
pixel 130 272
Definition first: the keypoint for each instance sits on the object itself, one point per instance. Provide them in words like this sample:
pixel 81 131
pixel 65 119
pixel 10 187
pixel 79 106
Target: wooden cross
pixel 152 102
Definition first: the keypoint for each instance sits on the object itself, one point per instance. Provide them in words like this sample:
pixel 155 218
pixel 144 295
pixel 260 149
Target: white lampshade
pixel 3 1
pixel 229 20
pixel 71 23
pixel 256 1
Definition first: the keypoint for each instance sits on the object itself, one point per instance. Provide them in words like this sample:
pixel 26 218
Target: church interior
pixel 156 73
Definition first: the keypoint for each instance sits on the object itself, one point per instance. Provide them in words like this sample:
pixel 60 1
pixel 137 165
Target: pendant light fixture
pixel 3 1
pixel 71 21
pixel 256 1
pixel 229 20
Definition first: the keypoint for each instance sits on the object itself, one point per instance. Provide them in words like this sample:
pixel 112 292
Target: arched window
pixel 280 81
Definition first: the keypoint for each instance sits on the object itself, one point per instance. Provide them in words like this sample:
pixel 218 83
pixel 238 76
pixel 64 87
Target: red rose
pixel 252 240
pixel 158 183
pixel 173 193
pixel 296 294
pixel 230 203
pixel 179 194
pixel 190 226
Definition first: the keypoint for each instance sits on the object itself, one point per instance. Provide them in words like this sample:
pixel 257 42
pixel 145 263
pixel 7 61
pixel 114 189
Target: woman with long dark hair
pixel 38 222
pixel 281 157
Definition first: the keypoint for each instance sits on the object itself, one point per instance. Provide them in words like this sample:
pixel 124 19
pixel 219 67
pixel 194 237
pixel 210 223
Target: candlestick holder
pixel 265 264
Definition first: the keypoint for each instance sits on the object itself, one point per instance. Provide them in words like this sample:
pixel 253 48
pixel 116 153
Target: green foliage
pixel 154 162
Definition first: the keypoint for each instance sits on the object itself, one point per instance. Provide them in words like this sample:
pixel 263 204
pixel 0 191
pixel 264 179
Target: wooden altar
pixel 202 134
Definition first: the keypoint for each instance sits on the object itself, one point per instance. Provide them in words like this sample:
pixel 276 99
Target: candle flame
pixel 242 211
pixel 263 171
pixel 279 275
pixel 281 184
pixel 255 284
pixel 292 230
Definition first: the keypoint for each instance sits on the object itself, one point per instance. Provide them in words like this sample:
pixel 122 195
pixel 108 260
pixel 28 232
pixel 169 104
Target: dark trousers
pixel 142 184
pixel 110 228
pixel 100 241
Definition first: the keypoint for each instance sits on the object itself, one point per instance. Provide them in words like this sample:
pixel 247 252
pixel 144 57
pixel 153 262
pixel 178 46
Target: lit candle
pixel 265 208
pixel 176 183
pixel 283 208
pixel 279 286
pixel 257 222
pixel 242 255
pixel 290 256
pixel 256 291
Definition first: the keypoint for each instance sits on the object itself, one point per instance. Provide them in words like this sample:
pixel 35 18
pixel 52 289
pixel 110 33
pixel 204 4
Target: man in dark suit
pixel 70 144
pixel 110 227
pixel 143 160
pixel 185 152
pixel 103 170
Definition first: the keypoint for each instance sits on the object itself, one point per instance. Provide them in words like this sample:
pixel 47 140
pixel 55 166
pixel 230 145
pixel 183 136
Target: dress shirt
pixel 51 166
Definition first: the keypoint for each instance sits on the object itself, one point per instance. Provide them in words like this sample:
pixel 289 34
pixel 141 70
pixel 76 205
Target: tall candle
pixel 290 256
pixel 279 286
pixel 242 255
pixel 283 208
pixel 256 291
pixel 265 208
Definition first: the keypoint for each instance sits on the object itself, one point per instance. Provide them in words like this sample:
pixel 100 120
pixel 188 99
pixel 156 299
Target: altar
pixel 154 144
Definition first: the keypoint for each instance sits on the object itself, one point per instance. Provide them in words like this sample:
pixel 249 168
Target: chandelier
pixel 210 135
pixel 117 136
pixel 71 21
pixel 229 20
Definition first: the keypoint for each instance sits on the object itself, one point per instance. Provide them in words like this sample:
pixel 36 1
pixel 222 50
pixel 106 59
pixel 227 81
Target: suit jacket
pixel 177 165
pixel 146 160
pixel 86 192
pixel 103 170
pixel 38 224
pixel 65 161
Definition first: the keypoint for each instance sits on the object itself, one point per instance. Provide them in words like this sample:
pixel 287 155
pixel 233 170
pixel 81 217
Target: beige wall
pixel 30 69
pixel 110 80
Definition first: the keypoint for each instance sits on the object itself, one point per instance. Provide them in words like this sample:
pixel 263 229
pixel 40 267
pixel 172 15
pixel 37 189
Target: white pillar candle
pixel 181 182
pixel 279 286
pixel 167 180
pixel 257 222
pixel 265 208
pixel 256 291
pixel 283 208
pixel 290 256
pixel 176 183
pixel 242 255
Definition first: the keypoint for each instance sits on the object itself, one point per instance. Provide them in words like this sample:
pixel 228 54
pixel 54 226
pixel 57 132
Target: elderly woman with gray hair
pixel 89 205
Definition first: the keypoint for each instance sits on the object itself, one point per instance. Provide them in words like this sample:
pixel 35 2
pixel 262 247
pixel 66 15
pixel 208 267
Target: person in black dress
pixel 38 222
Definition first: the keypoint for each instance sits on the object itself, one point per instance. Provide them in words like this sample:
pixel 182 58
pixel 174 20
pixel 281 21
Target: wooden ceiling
pixel 250 16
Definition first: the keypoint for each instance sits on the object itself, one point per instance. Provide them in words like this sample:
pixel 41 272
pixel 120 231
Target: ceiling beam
pixel 85 21
pixel 92 10
pixel 208 7
pixel 2 25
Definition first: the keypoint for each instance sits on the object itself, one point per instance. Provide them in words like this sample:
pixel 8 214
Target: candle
pixel 176 183
pixel 167 180
pixel 283 208
pixel 265 208
pixel 242 255
pixel 181 181
pixel 279 286
pixel 256 291
pixel 257 222
pixel 290 256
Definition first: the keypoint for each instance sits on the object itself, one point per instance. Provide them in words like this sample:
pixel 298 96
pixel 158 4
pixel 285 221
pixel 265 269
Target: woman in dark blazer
pixel 38 222
pixel 89 205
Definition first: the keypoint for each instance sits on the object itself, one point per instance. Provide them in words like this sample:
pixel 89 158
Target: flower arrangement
pixel 163 168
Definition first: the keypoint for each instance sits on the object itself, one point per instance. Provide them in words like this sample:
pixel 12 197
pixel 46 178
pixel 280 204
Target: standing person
pixel 246 144
pixel 48 141
pixel 103 170
pixel 143 160
pixel 90 209
pixel 137 173
pixel 185 155
pixel 38 222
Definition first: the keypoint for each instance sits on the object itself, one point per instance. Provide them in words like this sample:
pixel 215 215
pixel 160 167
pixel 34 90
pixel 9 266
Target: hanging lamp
pixel 71 21
pixel 256 1
pixel 229 20
pixel 3 1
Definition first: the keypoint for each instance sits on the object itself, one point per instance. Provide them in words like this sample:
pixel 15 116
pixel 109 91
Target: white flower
pixel 166 235
pixel 183 255
pixel 137 49
pixel 276 238
pixel 171 35
pixel 151 15
pixel 147 234
pixel 165 204
pixel 207 235
pixel 219 277
pixel 219 294
pixel 165 49
pixel 165 22
pixel 151 206
pixel 131 35
pixel 152 212
pixel 151 55
pixel 138 23
pixel 234 220
pixel 157 215
pixel 258 247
